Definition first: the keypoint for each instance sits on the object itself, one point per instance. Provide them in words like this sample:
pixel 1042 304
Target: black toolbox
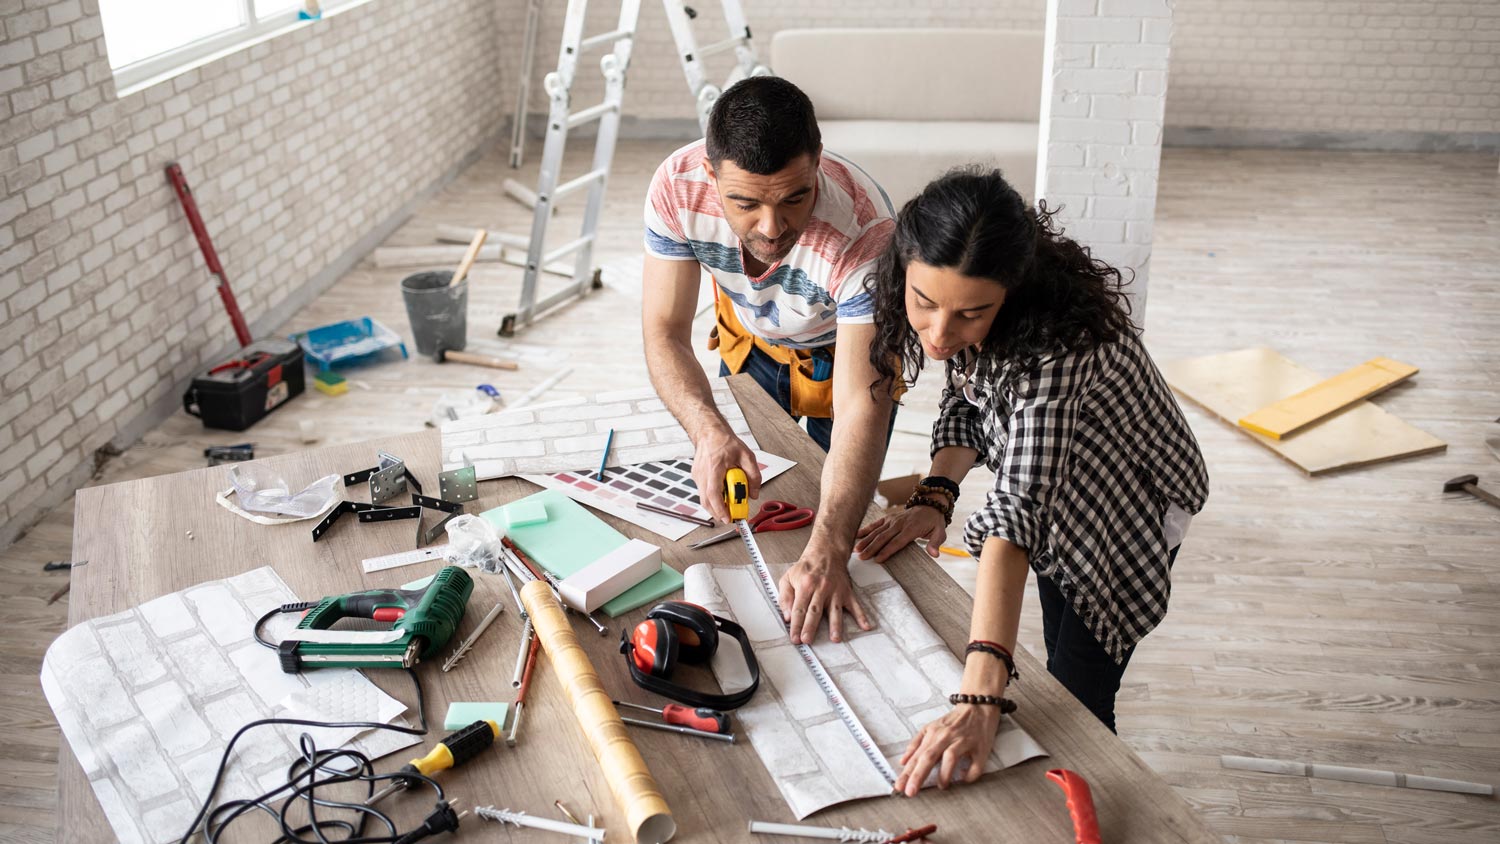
pixel 235 394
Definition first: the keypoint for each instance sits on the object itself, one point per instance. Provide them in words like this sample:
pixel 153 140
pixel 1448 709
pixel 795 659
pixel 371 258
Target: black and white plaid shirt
pixel 1089 450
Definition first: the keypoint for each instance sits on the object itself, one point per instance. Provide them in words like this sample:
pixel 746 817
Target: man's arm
pixel 669 299
pixel 819 582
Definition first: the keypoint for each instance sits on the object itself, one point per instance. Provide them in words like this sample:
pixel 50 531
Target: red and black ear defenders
pixel 678 632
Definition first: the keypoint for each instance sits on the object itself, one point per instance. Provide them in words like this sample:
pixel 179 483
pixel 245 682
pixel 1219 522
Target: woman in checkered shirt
pixel 1096 471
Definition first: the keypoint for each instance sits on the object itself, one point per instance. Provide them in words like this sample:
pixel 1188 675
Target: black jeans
pixel 1076 658
pixel 776 379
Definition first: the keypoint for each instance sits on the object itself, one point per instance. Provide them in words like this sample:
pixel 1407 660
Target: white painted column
pixel 1104 93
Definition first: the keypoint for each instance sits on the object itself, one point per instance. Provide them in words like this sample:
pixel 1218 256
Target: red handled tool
pixel 1080 804
pixel 773 515
pixel 210 257
pixel 702 718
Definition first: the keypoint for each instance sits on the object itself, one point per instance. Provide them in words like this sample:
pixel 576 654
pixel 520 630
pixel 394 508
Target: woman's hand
pixel 967 732
pixel 889 534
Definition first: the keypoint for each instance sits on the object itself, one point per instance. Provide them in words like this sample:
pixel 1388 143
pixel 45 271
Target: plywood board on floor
pixel 1234 384
pixel 1293 413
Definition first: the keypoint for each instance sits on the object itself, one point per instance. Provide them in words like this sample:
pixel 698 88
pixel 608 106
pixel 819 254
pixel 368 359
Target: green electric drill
pixel 422 622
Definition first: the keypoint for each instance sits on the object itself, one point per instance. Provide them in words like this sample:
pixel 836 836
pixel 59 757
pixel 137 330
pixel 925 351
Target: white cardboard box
pixel 610 575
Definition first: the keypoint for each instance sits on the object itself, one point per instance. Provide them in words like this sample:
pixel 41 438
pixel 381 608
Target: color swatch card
pixel 665 483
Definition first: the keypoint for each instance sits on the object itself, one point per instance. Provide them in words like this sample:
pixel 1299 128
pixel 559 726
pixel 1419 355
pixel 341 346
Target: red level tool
pixel 185 195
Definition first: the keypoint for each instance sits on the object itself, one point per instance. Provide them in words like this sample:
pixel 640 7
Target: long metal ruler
pixel 820 674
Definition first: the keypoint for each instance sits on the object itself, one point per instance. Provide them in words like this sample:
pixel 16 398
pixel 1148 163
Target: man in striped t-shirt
pixel 789 233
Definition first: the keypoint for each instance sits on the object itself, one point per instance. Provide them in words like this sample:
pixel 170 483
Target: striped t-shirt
pixel 799 301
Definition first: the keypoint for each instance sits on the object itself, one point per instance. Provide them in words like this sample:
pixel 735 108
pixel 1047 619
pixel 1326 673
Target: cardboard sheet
pixel 896 677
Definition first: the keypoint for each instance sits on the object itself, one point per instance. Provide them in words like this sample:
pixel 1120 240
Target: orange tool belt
pixel 811 395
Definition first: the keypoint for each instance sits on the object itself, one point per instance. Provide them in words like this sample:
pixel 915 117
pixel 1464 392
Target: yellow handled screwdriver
pixel 451 752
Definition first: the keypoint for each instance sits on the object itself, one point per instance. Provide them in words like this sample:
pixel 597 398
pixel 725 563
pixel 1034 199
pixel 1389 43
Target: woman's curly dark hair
pixel 1058 296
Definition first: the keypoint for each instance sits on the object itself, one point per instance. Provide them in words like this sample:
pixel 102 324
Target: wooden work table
pixel 135 536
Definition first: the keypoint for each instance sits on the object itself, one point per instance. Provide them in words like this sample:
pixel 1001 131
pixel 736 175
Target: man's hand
pixel 814 586
pixel 885 536
pixel 716 453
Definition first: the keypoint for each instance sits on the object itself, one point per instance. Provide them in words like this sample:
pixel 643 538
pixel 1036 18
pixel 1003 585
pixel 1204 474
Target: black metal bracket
pixel 389 514
pixel 334 514
pixel 436 503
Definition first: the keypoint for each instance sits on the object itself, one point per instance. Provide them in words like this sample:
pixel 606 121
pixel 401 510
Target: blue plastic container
pixel 348 343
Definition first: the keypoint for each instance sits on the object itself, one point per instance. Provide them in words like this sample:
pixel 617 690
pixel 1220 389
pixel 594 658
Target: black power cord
pixel 316 769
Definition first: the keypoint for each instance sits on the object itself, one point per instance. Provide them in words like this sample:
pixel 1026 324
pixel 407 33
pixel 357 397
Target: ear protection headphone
pixel 677 632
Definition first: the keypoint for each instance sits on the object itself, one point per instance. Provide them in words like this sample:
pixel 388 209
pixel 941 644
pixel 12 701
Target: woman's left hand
pixel 966 732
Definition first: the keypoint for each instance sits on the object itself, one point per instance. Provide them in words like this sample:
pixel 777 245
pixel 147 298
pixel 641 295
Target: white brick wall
pixel 1337 65
pixel 1103 99
pixel 295 148
pixel 1320 65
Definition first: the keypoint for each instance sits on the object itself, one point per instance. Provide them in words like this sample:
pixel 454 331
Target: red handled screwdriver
pixel 702 718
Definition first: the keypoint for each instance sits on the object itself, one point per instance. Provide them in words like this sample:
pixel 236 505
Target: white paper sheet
pixel 896 678
pixel 149 697
pixel 569 435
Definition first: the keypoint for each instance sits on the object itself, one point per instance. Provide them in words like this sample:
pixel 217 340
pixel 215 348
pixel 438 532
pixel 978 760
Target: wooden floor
pixel 1353 619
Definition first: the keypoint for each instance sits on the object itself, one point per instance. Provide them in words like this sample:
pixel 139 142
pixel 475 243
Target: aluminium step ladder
pixel 561 120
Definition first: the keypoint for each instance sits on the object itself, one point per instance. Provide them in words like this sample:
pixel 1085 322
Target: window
pixel 150 41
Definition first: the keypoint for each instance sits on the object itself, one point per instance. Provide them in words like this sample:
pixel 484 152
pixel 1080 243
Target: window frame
pixel 140 75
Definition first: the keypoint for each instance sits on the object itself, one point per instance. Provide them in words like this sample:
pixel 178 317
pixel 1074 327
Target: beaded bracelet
pixel 1006 705
pixel 945 508
pixel 939 482
pixel 995 650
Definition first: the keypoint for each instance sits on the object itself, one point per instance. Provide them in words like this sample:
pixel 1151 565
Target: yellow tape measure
pixel 737 494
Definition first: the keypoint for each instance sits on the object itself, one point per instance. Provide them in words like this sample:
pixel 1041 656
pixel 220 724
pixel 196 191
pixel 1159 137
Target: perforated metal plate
pixel 436 503
pixel 458 485
pixel 388 483
pixel 388 514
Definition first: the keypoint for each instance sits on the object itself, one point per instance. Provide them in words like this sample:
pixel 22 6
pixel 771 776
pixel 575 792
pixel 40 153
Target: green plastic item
pixel 461 715
pixel 525 513
pixel 571 538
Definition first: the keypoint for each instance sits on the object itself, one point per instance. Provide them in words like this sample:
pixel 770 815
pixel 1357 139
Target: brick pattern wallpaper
pixel 295 149
pixel 1315 65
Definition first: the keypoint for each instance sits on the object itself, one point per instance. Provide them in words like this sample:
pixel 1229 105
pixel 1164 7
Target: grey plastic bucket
pixel 438 313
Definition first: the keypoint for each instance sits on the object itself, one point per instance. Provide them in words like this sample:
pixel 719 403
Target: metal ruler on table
pixel 405 558
pixel 820 674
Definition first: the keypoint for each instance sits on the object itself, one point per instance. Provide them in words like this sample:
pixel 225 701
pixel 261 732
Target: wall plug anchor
pixel 490 813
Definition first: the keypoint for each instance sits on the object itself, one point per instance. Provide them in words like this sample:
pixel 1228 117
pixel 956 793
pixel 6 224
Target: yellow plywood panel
pixel 1234 384
pixel 1326 398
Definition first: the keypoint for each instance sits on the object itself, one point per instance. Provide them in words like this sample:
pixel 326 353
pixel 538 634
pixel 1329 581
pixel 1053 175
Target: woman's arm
pixel 885 536
pixel 968 731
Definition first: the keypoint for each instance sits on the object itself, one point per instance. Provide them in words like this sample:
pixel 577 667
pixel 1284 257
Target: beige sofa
pixel 907 104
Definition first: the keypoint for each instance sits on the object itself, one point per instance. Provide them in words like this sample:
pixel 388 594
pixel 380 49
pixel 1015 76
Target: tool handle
pixel 480 360
pixel 457 748
pixel 1080 804
pixel 702 718
pixel 1482 494
pixel 206 246
pixel 469 257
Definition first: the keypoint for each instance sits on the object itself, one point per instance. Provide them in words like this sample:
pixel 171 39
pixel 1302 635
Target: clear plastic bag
pixel 474 543
pixel 263 491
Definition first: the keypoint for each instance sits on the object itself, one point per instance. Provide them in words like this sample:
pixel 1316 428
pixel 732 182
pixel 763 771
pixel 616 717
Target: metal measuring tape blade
pixel 820 674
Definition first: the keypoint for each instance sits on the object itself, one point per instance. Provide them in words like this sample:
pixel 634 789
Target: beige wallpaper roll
pixel 635 790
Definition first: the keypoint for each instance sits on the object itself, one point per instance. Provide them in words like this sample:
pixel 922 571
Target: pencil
pixel 603 461
pixel 667 511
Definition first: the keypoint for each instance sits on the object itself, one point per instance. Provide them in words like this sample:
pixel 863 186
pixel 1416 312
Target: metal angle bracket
pixel 333 516
pixel 359 477
pixel 458 485
pixel 388 483
pixel 426 536
pixel 389 514
pixel 436 503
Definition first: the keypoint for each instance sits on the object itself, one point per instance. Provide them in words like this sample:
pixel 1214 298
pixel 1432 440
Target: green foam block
pixel 525 513
pixel 461 715
pixel 571 538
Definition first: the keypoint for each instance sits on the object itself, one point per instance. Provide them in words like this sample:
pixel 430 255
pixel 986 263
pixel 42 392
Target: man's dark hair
pixel 761 124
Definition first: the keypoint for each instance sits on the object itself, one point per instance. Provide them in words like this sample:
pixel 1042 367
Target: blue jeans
pixel 776 379
pixel 1076 658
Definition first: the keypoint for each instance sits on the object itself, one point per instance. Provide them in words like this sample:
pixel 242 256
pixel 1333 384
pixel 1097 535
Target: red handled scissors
pixel 773 515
